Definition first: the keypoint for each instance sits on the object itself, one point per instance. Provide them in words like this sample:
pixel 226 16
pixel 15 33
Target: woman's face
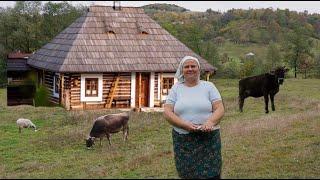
pixel 191 70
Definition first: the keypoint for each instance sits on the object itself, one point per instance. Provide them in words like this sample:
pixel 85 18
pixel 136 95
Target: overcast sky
pixel 300 6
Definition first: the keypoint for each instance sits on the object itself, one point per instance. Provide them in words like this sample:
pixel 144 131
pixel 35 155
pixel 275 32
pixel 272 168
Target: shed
pixel 19 89
pixel 250 54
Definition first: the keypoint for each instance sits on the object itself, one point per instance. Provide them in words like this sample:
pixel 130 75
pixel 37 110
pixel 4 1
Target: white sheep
pixel 25 123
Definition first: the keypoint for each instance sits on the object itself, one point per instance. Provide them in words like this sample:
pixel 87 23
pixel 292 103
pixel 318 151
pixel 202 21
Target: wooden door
pixel 142 89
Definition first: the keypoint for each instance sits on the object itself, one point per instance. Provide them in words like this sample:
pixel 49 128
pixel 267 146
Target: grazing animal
pixel 262 85
pixel 25 123
pixel 108 124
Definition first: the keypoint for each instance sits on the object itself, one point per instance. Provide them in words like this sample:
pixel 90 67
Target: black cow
pixel 262 85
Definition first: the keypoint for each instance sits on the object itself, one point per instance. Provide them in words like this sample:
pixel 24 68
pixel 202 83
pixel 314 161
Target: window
pixel 91 87
pixel 167 83
pixel 56 85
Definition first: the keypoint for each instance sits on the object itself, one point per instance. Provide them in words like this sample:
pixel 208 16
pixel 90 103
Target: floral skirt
pixel 197 155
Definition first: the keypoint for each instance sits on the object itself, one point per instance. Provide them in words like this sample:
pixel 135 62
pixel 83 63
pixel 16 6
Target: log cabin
pixel 111 58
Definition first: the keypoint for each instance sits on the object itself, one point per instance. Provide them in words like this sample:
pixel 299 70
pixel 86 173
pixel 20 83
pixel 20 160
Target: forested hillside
pixel 31 24
pixel 275 37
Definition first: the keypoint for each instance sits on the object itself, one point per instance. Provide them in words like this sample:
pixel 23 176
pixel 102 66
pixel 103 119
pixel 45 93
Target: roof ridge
pixel 98 5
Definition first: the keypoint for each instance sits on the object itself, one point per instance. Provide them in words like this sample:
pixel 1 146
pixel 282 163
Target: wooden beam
pixel 208 76
pixel 160 74
pixel 43 78
pixel 67 105
pixel 139 104
pixel 113 90
pixel 61 93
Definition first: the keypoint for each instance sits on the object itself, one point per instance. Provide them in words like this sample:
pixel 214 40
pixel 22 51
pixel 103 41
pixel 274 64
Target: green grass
pixel 240 50
pixel 282 144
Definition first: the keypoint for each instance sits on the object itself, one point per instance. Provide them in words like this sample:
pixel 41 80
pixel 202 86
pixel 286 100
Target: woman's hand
pixel 207 127
pixel 190 126
pixel 214 119
pixel 175 120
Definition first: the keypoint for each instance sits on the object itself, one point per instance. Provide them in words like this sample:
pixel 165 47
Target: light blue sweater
pixel 193 104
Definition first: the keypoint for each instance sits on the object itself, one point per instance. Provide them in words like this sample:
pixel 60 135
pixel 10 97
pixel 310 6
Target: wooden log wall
pixel 66 91
pixel 48 82
pixel 75 80
pixel 122 93
pixel 67 81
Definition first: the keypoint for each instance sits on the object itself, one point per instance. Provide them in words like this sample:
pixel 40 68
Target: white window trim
pixel 83 97
pixel 151 90
pixel 54 86
pixel 159 86
pixel 133 89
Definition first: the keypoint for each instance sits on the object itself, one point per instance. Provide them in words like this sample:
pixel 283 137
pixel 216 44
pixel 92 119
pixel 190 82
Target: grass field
pixel 281 144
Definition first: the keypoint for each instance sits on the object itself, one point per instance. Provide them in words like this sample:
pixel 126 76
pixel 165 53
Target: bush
pixel 3 74
pixel 41 97
pixel 230 69
pixel 247 68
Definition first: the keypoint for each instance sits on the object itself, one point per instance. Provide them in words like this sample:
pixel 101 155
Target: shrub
pixel 41 97
pixel 247 68
pixel 231 69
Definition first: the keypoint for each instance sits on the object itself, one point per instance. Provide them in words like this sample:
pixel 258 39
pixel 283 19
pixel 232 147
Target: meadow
pixel 282 144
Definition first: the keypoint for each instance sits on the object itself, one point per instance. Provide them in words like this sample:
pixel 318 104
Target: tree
pixel 210 53
pixel 247 68
pixel 28 19
pixel 306 63
pixel 298 48
pixel 235 35
pixel 194 37
pixel 29 25
pixel 317 66
pixel 273 56
pixel 264 36
pixel 281 18
pixel 3 72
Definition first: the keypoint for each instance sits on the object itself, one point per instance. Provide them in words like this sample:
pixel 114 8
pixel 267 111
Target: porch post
pixel 208 76
pixel 160 74
pixel 139 104
pixel 151 90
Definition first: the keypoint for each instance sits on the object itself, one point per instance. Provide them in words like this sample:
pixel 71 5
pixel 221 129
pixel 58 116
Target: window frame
pixel 91 89
pixel 56 85
pixel 167 83
pixel 83 97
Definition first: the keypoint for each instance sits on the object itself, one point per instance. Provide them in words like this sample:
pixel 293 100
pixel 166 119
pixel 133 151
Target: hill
pixel 221 37
pixel 163 7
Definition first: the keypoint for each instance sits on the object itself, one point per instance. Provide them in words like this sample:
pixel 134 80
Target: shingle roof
pixel 17 61
pixel 86 45
pixel 18 55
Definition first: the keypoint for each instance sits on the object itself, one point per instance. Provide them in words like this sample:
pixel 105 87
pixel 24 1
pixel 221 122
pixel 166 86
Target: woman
pixel 194 108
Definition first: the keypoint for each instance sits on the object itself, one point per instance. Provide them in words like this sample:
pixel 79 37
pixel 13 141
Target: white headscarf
pixel 179 73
